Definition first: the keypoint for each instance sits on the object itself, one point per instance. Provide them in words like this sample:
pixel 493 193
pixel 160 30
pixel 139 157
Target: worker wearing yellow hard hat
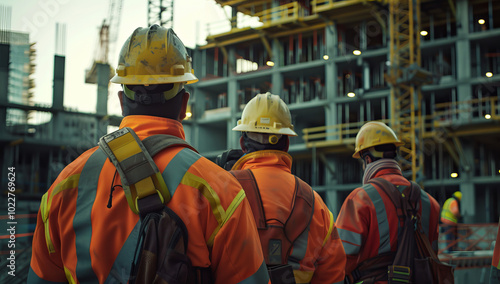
pixel 450 217
pixel 296 228
pixel 86 230
pixel 368 220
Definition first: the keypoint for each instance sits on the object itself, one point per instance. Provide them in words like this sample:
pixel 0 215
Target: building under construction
pixel 429 69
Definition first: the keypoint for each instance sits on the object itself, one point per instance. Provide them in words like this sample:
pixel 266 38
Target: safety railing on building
pixel 467 245
pixel 443 115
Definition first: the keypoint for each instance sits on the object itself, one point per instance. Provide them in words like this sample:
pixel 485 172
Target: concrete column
pixel 4 85
pixel 58 90
pixel 103 73
pixel 463 57
pixel 232 136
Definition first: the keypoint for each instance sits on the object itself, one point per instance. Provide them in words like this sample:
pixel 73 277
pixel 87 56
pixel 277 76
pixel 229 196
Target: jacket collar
pixel 265 158
pixel 145 125
pixel 381 167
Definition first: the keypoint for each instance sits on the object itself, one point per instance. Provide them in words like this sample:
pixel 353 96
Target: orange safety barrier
pixel 467 245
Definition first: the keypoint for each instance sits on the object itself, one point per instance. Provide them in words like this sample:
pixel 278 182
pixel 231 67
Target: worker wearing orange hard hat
pixel 88 226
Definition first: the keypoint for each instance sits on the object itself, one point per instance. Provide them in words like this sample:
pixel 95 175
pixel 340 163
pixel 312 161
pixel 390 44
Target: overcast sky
pixel 82 20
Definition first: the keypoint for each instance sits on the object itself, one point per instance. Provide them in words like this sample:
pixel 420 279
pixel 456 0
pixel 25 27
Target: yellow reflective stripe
pixel 330 229
pixel 202 185
pixel 69 277
pixel 230 210
pixel 303 276
pixel 70 182
pixel 124 146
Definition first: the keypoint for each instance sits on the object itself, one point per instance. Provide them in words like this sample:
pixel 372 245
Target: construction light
pixel 189 114
pixel 481 21
pixel 270 63
pixel 487 116
pixel 325 57
pixel 489 74
pixel 454 175
pixel 351 94
pixel 423 33
pixel 356 52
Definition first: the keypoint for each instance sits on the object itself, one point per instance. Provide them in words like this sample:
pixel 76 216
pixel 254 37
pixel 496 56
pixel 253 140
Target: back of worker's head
pixel 153 68
pixel 457 195
pixel 265 124
pixel 375 141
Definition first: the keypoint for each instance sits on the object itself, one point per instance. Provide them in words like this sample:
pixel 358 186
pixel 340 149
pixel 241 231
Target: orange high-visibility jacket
pixel 316 257
pixel 78 239
pixel 450 212
pixel 495 263
pixel 368 222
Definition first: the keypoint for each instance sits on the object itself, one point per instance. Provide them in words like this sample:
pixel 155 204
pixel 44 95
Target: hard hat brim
pixel 187 78
pixel 246 128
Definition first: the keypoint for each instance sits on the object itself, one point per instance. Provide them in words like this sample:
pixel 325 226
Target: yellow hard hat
pixel 266 113
pixel 372 134
pixel 152 56
pixel 458 195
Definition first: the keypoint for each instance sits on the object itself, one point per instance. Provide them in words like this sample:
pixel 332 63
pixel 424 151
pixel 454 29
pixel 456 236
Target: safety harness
pixel 277 241
pixel 163 239
pixel 414 261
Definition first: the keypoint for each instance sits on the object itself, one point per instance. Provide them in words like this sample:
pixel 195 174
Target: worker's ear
pixel 120 97
pixel 185 99
pixel 242 145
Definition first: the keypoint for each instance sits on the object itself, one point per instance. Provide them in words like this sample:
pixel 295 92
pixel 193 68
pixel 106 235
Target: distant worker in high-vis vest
pixel 87 233
pixel 450 217
pixel 495 264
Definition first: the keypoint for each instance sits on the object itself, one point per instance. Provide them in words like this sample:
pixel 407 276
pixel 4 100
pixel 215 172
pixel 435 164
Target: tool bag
pixel 160 255
pixel 277 241
pixel 414 261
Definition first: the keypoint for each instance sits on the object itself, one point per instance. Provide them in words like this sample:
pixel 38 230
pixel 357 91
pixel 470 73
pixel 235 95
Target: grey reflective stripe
pixel 120 271
pixel 260 276
pixel 350 240
pixel 382 219
pixel 87 188
pixel 34 279
pixel 341 282
pixel 426 211
pixel 177 168
pixel 299 249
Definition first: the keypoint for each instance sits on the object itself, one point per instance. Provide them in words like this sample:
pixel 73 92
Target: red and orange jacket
pixel 78 239
pixel 316 257
pixel 368 222
pixel 495 264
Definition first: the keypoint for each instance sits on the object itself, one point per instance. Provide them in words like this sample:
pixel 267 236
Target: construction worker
pixel 450 216
pixel 316 255
pixel 495 263
pixel 87 233
pixel 368 220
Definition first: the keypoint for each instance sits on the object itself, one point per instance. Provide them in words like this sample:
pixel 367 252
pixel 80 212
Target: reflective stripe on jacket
pixel 368 222
pixel 317 256
pixel 79 240
pixel 450 211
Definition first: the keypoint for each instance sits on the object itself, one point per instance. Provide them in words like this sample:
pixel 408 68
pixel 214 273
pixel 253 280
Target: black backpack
pixel 160 255
pixel 414 261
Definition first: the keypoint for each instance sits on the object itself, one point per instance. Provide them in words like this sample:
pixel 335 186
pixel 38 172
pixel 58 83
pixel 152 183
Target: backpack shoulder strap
pixel 302 210
pixel 141 179
pixel 247 181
